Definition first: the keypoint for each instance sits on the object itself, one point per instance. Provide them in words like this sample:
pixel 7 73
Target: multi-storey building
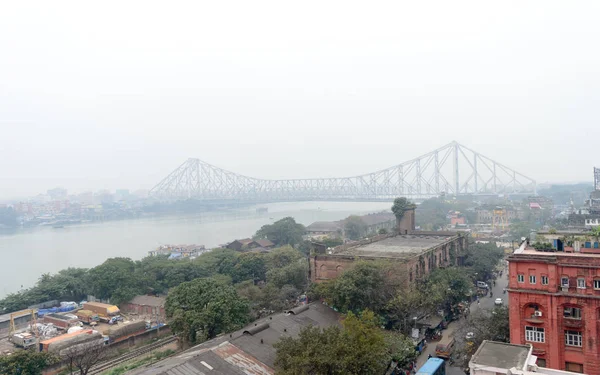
pixel 554 302
pixel 414 253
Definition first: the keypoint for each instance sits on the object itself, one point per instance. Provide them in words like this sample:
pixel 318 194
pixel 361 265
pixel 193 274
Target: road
pixel 484 303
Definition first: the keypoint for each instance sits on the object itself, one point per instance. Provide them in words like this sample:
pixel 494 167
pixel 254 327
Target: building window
pixel 564 282
pixel 521 278
pixel 541 362
pixel 581 283
pixel 573 338
pixel 545 280
pixel 572 312
pixel 597 284
pixel 574 367
pixel 532 279
pixel 534 334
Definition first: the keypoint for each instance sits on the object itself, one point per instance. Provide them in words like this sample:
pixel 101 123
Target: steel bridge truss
pixel 452 169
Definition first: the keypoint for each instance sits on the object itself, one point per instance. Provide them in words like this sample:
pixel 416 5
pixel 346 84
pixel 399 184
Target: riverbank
pixel 29 253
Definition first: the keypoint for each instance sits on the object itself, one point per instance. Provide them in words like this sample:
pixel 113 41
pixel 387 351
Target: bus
pixel 433 366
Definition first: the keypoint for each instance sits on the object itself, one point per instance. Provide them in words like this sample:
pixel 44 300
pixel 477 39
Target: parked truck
pixel 87 316
pixel 61 321
pixel 23 339
pixel 105 311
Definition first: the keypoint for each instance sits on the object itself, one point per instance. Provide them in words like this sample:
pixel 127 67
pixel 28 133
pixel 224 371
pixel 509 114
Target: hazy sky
pixel 116 94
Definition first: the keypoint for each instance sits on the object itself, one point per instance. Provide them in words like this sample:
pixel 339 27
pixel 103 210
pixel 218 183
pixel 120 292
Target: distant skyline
pixel 118 94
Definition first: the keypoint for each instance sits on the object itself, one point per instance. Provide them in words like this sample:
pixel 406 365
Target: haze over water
pixel 33 252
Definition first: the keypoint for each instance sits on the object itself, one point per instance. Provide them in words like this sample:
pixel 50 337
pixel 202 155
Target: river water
pixel 27 254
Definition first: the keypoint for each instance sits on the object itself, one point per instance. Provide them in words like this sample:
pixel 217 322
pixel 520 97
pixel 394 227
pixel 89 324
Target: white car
pixel 469 335
pixel 498 301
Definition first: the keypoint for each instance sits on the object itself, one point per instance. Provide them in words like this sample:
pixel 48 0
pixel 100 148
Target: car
pixel 469 335
pixel 498 301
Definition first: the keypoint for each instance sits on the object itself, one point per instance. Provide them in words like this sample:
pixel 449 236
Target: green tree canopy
pixel 114 279
pixel 205 307
pixel 484 325
pixel 360 347
pixel 25 362
pixel 364 286
pixel 354 227
pixel 249 266
pixel 447 287
pixel 401 205
pixel 282 232
pixel 482 260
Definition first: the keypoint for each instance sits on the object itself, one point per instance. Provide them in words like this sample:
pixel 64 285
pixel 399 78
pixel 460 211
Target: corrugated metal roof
pixel 241 353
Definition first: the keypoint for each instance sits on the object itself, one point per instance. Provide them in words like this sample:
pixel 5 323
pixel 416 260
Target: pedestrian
pixel 428 356
pixel 478 302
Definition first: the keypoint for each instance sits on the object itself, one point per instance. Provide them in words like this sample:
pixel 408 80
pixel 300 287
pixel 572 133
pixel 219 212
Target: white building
pixel 493 358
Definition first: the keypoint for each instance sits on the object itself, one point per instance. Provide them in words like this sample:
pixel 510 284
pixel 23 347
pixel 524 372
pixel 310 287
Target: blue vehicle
pixel 433 366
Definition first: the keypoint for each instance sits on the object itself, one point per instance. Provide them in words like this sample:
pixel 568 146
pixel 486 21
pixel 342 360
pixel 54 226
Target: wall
pixel 325 267
pixel 551 300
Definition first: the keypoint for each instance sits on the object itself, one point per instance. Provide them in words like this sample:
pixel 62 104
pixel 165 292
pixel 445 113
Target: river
pixel 28 253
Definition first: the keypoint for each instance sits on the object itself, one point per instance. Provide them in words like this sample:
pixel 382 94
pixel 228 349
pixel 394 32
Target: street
pixel 484 303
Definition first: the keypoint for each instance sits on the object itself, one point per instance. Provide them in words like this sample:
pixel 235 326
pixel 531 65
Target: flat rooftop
pixel 532 251
pixel 501 355
pixel 400 246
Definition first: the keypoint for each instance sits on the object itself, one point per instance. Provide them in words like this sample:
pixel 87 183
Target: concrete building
pixel 247 351
pixel 416 253
pixel 554 302
pixel 493 358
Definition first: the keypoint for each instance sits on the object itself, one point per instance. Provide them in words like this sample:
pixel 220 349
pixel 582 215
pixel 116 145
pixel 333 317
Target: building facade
pixel 554 304
pixel 414 253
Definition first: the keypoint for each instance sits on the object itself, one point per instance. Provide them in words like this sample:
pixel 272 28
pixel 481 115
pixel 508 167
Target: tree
pixel 401 205
pixel 401 348
pixel 354 227
pixel 115 279
pixel 482 260
pixel 25 362
pixel 282 232
pixel 295 274
pixel 85 356
pixel 359 347
pixel 519 229
pixel 282 256
pixel 404 306
pixel 205 307
pixel 484 325
pixel 447 287
pixel 249 266
pixel 364 286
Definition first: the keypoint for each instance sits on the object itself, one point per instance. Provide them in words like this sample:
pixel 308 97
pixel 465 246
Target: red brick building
pixel 150 307
pixel 554 302
pixel 414 253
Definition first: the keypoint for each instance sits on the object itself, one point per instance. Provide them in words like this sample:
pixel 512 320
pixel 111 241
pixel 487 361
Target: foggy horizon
pixel 117 96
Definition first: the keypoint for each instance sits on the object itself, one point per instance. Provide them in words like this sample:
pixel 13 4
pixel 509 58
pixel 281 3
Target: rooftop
pixel 145 300
pixel 529 251
pixel 501 355
pixel 398 246
pixel 324 226
pixel 242 352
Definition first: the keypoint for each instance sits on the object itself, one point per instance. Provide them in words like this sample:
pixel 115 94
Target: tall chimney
pixel 407 223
